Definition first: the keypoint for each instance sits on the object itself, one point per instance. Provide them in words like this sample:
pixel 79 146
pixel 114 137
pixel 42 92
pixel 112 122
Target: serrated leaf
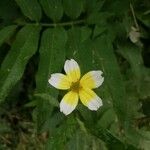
pixel 14 64
pixel 6 32
pixel 111 140
pixel 30 9
pixel 85 56
pixel 53 9
pixel 113 78
pixel 85 141
pixel 73 43
pixel 63 132
pixel 43 115
pixel 52 57
pixel 52 123
pixel 49 98
pixel 79 47
pixel 116 86
pixel 73 8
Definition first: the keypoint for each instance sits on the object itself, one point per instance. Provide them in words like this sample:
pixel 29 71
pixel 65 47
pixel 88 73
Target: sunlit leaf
pixel 52 58
pixel 14 64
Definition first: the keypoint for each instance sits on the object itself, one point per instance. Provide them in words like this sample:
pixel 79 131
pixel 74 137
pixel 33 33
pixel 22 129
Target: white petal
pixel 69 102
pixel 95 103
pixel 92 79
pixel 59 81
pixel 72 69
pixel 90 99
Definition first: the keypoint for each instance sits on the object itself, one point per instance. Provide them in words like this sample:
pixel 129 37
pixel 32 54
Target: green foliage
pixel 52 47
pixel 36 38
pixel 30 9
pixel 14 64
pixel 8 12
pixel 53 9
pixel 73 8
pixel 6 32
pixel 104 50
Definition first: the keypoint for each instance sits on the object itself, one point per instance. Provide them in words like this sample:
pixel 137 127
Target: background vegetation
pixel 36 38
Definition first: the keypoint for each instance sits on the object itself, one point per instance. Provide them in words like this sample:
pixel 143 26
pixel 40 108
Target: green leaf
pixel 14 64
pixel 113 78
pixel 43 114
pixel 30 9
pixel 53 122
pixel 99 18
pixel 107 119
pixel 99 29
pixel 8 11
pixel 53 9
pixel 133 55
pixel 78 47
pixel 145 142
pixel 52 57
pixel 85 141
pixel 139 73
pixel 73 43
pixel 116 86
pixel 6 32
pixel 110 139
pixel 94 5
pixel 73 8
pixel 117 6
pixel 50 99
pixel 62 133
pixel 85 33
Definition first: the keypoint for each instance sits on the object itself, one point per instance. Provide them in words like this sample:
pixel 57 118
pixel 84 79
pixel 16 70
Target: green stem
pixel 134 17
pixel 56 24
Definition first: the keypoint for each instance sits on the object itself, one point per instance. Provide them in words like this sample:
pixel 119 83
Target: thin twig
pixel 135 21
pixel 55 24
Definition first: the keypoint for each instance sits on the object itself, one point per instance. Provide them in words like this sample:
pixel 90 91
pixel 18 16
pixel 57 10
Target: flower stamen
pixel 75 86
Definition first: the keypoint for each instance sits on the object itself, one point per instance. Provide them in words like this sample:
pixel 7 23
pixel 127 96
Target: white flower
pixel 78 88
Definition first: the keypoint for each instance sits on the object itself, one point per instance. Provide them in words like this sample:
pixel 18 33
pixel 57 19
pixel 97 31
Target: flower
pixel 78 88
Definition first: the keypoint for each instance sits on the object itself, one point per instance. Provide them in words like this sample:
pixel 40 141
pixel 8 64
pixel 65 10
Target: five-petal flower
pixel 78 88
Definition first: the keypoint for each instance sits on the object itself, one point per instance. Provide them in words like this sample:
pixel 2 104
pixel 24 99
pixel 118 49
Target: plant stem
pixel 56 24
pixel 134 18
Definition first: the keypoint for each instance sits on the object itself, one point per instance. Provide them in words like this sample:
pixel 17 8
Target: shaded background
pixel 37 36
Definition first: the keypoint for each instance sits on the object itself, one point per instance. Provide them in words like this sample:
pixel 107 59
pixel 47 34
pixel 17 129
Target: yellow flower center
pixel 75 86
